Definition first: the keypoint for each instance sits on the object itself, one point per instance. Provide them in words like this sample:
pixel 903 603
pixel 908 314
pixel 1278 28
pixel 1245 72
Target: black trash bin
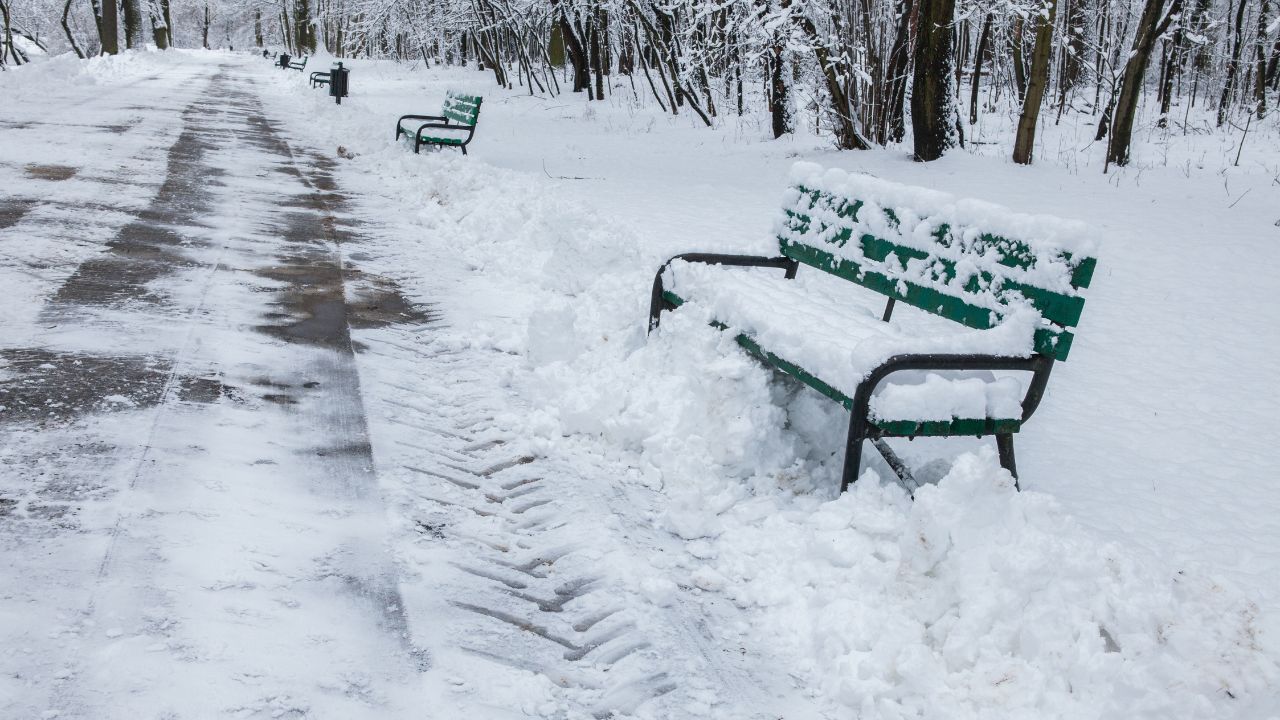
pixel 284 60
pixel 339 77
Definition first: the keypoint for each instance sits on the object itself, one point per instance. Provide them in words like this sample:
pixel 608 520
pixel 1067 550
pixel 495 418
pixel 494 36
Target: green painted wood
pixel 1059 309
pixel 1010 252
pixel 975 427
pixel 1047 339
pixel 462 109
pixel 1056 307
pixel 441 141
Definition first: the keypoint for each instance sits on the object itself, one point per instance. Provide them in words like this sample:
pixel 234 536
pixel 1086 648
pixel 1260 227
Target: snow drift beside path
pixel 973 601
pixel 978 602
pixel 29 81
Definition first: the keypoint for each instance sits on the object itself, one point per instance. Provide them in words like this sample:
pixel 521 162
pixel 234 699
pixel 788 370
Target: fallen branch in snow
pixel 564 177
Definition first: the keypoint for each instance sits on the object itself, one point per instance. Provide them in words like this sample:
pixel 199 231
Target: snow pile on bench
pixel 833 210
pixel 945 398
pixel 828 326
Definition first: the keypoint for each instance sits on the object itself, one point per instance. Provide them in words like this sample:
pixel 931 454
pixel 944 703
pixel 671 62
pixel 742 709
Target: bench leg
pixel 853 452
pixel 464 149
pixel 1004 443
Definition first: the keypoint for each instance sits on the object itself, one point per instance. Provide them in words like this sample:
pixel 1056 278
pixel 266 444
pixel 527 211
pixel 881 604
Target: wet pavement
pixel 199 364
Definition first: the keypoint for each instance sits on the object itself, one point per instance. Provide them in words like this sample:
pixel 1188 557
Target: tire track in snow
pixel 526 558
pixel 524 592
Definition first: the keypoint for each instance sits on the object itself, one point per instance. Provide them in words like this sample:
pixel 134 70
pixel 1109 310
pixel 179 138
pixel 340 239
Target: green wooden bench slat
pixel 1056 307
pixel 974 427
pixel 463 109
pixel 441 141
pixel 925 298
pixel 1011 252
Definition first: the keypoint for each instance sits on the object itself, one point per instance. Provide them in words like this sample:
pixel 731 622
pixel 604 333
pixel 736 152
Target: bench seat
pixel 455 126
pixel 828 334
pixel 435 137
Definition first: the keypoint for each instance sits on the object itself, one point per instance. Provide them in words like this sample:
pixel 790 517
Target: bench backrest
pixel 462 109
pixel 964 260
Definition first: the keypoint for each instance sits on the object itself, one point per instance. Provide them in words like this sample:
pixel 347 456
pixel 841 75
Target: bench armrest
pixel 422 117
pixel 1038 365
pixel 443 125
pixel 400 123
pixel 657 303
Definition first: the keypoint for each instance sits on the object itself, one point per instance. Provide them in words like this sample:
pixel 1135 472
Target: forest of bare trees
pixel 863 72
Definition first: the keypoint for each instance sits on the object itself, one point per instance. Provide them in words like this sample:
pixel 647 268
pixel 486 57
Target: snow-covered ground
pixel 579 520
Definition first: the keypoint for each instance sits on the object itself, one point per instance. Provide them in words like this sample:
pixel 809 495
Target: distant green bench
pixel 460 110
pixel 1008 284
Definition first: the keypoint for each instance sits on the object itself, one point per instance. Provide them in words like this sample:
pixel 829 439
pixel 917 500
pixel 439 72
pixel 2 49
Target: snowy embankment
pixel 973 601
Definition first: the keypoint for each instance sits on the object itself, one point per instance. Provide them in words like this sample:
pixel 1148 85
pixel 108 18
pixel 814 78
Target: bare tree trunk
pixel 167 13
pixel 6 39
pixel 833 71
pixel 304 32
pixel 1073 47
pixel 644 65
pixel 1260 80
pixel 893 126
pixel 1150 28
pixel 577 55
pixel 159 32
pixel 108 27
pixel 1019 63
pixel 1172 69
pixel 66 28
pixel 204 27
pixel 983 37
pixel 286 34
pixel 666 43
pixel 257 27
pixel 133 34
pixel 597 57
pixel 1273 65
pixel 932 101
pixel 1233 67
pixel 779 94
pixel 1024 142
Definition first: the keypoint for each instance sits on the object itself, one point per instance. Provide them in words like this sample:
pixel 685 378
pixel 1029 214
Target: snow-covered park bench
pixel 992 290
pixel 299 66
pixel 318 78
pixel 462 110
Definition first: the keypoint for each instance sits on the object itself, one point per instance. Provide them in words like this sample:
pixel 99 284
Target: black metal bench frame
pixel 418 142
pixel 861 427
pixel 318 78
pixel 299 66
